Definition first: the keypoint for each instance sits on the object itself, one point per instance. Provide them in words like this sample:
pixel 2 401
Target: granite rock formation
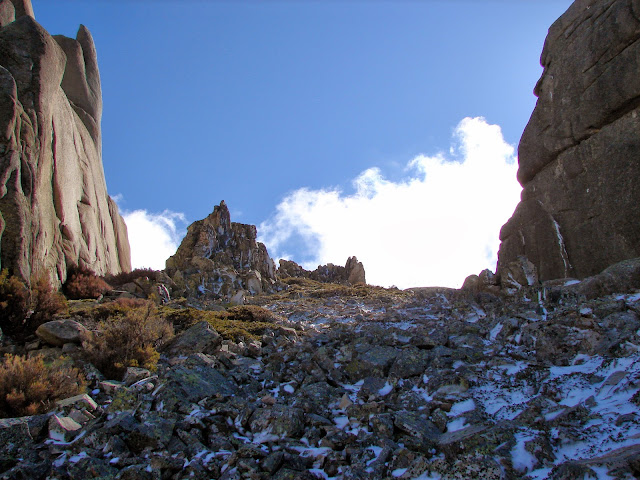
pixel 55 212
pixel 351 274
pixel 218 258
pixel 579 154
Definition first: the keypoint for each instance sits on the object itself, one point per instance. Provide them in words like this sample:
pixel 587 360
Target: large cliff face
pixel 54 209
pixel 579 156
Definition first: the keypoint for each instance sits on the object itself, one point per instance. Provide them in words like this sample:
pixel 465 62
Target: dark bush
pixel 83 283
pixel 128 277
pixel 22 309
pixel 129 338
pixel 45 302
pixel 14 303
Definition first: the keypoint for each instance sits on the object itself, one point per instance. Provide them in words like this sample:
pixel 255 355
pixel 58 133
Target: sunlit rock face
pixel 55 212
pixel 218 258
pixel 579 156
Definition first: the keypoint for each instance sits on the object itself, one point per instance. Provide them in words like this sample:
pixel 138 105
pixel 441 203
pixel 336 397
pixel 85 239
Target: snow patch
pixel 495 331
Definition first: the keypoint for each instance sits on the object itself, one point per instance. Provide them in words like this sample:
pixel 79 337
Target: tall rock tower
pixel 55 212
pixel 579 156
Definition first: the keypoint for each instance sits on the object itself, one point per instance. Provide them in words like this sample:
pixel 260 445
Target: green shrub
pixel 28 386
pixel 83 283
pixel 128 339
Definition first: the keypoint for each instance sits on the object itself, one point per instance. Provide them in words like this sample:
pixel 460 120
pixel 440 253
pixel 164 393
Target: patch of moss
pixel 246 322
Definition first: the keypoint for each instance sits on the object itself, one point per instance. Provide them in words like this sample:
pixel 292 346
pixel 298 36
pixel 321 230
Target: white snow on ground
pixel 462 407
pixel 513 369
pixel 523 460
pixel 495 331
pixel 502 402
pixel 386 390
pixel 607 399
pixel 457 424
pixel 428 476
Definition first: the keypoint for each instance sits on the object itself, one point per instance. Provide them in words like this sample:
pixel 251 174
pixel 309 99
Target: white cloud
pixel 432 229
pixel 153 237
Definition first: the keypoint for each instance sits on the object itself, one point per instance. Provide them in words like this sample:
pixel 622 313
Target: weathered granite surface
pixel 578 156
pixel 55 212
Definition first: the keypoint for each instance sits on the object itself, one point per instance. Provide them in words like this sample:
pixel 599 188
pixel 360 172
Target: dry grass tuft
pixel 128 336
pixel 23 309
pixel 28 386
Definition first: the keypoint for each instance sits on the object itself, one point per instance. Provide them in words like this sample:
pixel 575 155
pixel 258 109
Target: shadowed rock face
pixel 579 156
pixel 54 209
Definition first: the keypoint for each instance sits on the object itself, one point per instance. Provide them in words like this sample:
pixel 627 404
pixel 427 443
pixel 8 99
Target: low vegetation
pixel 128 336
pixel 28 386
pixel 83 283
pixel 23 308
pixel 128 277
pixel 244 322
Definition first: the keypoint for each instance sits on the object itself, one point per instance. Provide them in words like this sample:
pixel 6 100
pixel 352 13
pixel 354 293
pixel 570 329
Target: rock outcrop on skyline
pixel 218 258
pixel 55 212
pixel 352 273
pixel 579 154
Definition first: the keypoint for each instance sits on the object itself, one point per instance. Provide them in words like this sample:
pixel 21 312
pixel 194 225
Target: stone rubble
pixel 367 383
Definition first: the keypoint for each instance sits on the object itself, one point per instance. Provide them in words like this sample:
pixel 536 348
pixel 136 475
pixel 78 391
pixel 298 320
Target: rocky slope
pixel 54 209
pixel 578 154
pixel 366 383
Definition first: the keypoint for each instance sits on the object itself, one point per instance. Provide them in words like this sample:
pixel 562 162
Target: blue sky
pixel 310 118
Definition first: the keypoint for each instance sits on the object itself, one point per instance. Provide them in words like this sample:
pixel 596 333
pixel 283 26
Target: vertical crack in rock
pixel 54 190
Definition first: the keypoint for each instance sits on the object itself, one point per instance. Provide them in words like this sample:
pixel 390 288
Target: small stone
pixel 111 386
pixel 345 402
pixel 135 374
pixel 625 418
pixel 80 416
pixel 80 401
pixel 63 429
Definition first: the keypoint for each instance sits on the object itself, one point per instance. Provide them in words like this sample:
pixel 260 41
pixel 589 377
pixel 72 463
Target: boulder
pixel 200 338
pixel 59 332
pixel 217 258
pixel 55 212
pixel 578 154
